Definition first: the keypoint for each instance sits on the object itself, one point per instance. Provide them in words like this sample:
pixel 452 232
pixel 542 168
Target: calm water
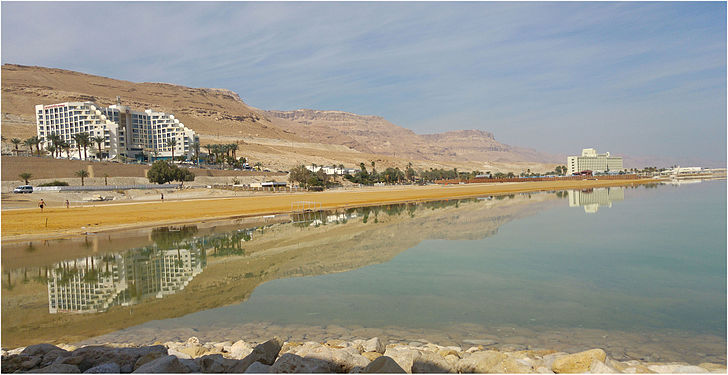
pixel 638 271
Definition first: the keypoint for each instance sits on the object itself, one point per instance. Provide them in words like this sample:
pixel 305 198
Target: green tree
pixel 52 149
pixel 83 174
pixel 16 142
pixel 196 147
pixel 299 175
pixel 25 176
pixel 410 173
pixel 161 172
pixel 78 138
pixel 171 144
pixel 66 147
pixel 183 174
pixel 56 141
pixel 85 142
pixel 29 142
pixel 209 152
pixel 99 140
pixel 234 149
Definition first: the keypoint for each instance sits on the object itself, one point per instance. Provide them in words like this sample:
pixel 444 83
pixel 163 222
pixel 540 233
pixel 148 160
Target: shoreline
pixel 329 356
pixel 29 224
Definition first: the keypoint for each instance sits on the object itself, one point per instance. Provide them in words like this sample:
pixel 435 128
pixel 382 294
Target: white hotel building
pixel 126 133
pixel 591 161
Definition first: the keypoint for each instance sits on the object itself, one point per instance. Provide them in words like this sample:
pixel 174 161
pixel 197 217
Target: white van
pixel 23 189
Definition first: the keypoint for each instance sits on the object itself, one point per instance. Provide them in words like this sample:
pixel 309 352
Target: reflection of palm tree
pixel 10 283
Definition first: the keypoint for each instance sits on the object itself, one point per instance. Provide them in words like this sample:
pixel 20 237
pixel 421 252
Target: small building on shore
pixel 331 170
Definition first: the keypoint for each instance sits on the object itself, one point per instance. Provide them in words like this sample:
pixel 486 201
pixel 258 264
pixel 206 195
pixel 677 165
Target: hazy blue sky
pixel 630 78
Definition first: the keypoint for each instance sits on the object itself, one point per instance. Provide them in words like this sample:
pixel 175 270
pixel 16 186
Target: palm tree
pixel 16 142
pixel 54 140
pixel 36 141
pixel 234 149
pixel 29 142
pixel 52 149
pixel 208 147
pixel 196 147
pixel 171 143
pixel 66 147
pixel 99 140
pixel 77 138
pixel 82 173
pixel 25 176
pixel 85 142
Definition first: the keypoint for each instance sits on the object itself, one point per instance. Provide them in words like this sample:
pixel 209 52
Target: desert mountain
pixel 279 139
pixel 374 134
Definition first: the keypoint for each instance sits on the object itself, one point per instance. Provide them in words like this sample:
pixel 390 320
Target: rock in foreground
pixel 333 356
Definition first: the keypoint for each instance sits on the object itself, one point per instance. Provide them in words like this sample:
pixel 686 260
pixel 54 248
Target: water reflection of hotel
pixel 93 284
pixel 592 199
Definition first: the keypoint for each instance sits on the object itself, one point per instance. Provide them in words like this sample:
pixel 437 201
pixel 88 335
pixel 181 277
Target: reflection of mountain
pixel 592 199
pixel 240 260
pixel 122 279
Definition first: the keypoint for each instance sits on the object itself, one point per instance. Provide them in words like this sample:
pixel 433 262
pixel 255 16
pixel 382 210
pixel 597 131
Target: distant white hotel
pixel 591 161
pixel 132 134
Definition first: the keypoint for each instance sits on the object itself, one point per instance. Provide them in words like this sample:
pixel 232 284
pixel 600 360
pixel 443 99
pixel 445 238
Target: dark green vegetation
pixel 163 172
pixel 54 183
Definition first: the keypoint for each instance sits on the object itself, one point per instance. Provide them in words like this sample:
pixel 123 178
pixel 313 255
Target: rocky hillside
pixel 374 134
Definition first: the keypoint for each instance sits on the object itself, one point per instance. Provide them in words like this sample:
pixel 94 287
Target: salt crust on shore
pixel 333 356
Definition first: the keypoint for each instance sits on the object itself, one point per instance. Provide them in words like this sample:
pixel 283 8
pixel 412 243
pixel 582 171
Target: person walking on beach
pixel 41 204
pixel 67 204
pixel 162 197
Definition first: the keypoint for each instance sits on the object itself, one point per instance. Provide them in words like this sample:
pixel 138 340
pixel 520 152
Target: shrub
pixel 55 183
pixel 162 172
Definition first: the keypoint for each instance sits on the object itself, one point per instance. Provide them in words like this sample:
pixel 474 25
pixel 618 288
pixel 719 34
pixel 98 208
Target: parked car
pixel 23 189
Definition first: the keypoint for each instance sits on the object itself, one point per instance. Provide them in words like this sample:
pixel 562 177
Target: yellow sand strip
pixel 24 224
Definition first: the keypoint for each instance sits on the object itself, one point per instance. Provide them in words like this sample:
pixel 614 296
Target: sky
pixel 631 78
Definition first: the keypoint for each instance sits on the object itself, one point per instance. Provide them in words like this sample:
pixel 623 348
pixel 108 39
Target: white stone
pixel 374 345
pixel 346 358
pixel 178 354
pixel 403 356
pixel 240 349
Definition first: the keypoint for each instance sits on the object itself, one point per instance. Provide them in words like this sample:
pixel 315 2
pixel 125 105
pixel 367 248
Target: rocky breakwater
pixel 333 356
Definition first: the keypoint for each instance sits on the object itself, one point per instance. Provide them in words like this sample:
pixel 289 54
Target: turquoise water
pixel 638 271
pixel 656 260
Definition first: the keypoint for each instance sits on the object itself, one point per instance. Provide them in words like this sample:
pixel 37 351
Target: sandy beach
pixel 57 222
